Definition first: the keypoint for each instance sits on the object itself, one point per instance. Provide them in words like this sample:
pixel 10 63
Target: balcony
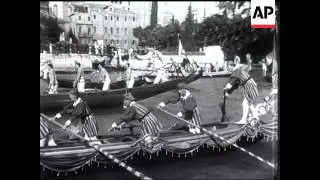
pixel 85 35
pixel 83 22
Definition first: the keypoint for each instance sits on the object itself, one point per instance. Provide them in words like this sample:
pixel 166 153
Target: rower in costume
pixel 249 88
pixel 82 119
pixel 45 136
pixel 150 126
pixel 53 82
pixel 79 82
pixel 189 105
pixel 104 78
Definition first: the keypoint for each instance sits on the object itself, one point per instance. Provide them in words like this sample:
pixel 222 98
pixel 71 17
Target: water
pixel 233 164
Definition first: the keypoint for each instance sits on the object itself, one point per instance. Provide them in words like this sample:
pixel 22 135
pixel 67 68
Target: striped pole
pixel 221 138
pixel 106 154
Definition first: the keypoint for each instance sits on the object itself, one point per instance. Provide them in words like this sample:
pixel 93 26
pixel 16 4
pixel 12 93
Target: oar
pixel 104 153
pixel 223 106
pixel 210 133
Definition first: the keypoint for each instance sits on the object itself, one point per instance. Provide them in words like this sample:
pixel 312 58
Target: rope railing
pixel 105 153
pixel 219 137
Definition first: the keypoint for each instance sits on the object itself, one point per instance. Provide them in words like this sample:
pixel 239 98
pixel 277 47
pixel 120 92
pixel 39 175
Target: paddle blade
pixel 223 110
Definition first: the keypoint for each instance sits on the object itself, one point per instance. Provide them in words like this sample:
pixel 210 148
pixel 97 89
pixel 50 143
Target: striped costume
pixel 44 129
pixel 82 117
pixel 249 86
pixel 149 123
pixel 189 105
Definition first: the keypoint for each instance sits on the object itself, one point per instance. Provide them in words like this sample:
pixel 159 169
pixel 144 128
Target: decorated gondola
pixel 96 98
pixel 69 157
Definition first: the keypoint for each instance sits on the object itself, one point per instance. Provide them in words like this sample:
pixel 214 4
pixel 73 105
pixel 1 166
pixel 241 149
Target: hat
pixel 74 91
pixel 183 92
pixel 77 62
pixel 129 97
pixel 181 85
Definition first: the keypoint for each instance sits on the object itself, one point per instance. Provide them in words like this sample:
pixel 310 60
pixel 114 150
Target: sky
pixel 180 8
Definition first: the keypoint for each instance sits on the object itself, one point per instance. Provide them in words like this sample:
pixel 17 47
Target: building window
pixel 81 9
pixel 110 9
pixel 117 18
pixel 125 19
pixel 125 42
pixel 111 30
pixel 117 30
pixel 79 17
pixel 133 42
pixel 105 30
pixel 55 10
pixel 69 10
pixel 89 30
pixel 95 29
pixel 120 2
pixel 94 16
pixel 88 18
pixel 111 42
pixel 79 30
pixel 125 31
pixel 106 18
pixel 134 19
pixel 111 18
pixel 118 42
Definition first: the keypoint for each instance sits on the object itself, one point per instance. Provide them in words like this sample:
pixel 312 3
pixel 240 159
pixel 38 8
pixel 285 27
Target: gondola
pixel 97 98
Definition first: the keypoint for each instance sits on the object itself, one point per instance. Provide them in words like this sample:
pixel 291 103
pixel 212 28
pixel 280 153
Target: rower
pixel 236 60
pixel 241 78
pixel 176 67
pixel 53 82
pixel 150 125
pixel 104 78
pixel 44 69
pixel 189 105
pixel 128 76
pixel 249 62
pixel 79 82
pixel 161 76
pixel 45 136
pixel 82 119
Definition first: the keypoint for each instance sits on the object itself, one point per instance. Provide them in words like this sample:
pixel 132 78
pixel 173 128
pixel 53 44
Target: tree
pixel 154 14
pixel 187 32
pixel 49 30
pixel 230 8
pixel 73 37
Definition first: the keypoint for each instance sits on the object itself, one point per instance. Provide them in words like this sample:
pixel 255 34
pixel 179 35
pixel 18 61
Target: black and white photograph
pixel 159 90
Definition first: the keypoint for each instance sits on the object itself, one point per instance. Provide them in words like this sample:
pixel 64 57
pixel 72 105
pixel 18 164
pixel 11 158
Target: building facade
pixel 109 23
pixel 143 11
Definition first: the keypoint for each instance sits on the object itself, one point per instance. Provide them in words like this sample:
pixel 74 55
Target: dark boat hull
pixel 96 99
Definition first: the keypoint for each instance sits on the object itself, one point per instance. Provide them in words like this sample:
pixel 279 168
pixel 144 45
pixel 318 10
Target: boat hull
pixel 97 99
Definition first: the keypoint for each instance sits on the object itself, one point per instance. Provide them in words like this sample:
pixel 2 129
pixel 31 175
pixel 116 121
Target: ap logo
pixel 263 14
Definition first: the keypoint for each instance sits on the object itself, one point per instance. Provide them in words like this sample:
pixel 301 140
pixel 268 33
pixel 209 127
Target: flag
pixel 180 50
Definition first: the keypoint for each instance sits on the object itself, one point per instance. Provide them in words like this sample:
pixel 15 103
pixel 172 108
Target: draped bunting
pixel 67 159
